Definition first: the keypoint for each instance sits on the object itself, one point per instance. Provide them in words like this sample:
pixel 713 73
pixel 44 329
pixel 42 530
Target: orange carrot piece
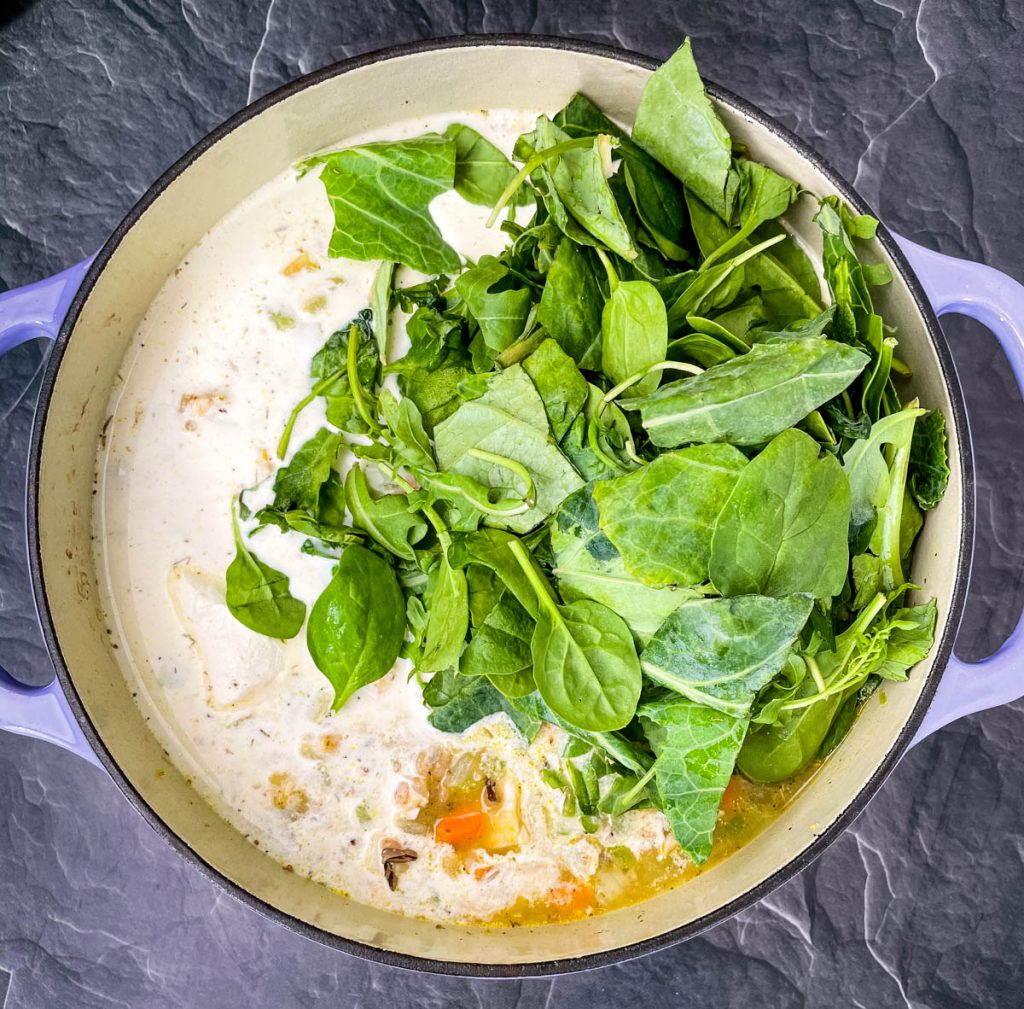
pixel 572 896
pixel 732 795
pixel 301 262
pixel 459 827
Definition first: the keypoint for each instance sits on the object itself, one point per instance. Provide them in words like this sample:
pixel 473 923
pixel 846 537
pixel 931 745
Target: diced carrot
pixel 571 896
pixel 732 795
pixel 460 826
pixel 300 262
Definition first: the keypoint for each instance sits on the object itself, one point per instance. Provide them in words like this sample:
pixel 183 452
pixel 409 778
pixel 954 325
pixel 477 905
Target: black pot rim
pixel 606 957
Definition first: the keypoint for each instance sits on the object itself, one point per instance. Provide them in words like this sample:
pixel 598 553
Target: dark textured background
pixel 922 105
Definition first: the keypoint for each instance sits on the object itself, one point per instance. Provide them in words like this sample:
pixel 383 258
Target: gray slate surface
pixel 922 104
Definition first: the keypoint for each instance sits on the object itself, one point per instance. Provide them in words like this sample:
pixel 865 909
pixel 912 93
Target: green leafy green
pixel 688 653
pixel 562 388
pixel 570 306
pixel 783 530
pixel 380 194
pixel 500 311
pixel 661 518
pixel 356 626
pixel 929 465
pixel 752 398
pixel 298 484
pixel 388 519
pixel 696 747
pixel 634 333
pixel 481 171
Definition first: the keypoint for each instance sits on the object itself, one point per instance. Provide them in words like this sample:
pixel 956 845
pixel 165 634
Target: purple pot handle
pixel 41 712
pixel 996 301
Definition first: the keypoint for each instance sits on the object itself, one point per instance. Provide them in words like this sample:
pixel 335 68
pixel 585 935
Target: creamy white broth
pixel 216 366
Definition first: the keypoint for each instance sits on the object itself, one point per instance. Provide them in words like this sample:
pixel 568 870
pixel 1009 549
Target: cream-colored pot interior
pixel 369 97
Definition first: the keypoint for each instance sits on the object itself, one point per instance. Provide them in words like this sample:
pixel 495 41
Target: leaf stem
pixel 358 396
pixel 616 390
pixel 322 386
pixel 532 164
pixel 530 494
pixel 545 596
pixel 613 277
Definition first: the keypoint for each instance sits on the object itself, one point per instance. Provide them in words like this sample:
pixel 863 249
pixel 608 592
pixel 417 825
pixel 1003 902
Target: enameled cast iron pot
pixel 91 311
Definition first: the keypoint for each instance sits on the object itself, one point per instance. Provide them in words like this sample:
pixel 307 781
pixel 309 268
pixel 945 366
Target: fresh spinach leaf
pixel 330 367
pixel 447 604
pixel 500 645
pixel 929 464
pixel 784 529
pixel 380 307
pixel 258 596
pixel 599 442
pixel 678 125
pixel 499 310
pixel 696 747
pixel 406 432
pixel 570 305
pixel 634 333
pixel 661 517
pixel 688 654
pixel 752 398
pixel 380 194
pixel 481 171
pixel 356 626
pixel 584 660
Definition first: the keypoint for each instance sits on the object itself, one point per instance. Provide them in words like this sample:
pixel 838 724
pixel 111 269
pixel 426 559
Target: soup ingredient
pixel 683 573
pixel 380 194
pixel 357 624
pixel 783 529
pixel 258 596
pixel 929 469
pixel 393 854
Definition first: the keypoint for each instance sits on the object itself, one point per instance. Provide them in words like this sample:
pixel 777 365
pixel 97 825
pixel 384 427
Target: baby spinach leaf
pixel 330 367
pixel 356 626
pixel 501 314
pixel 387 519
pixel 258 596
pixel 491 549
pixel 634 333
pixel 687 653
pixel 588 566
pixel 380 194
pixel 661 517
pixel 611 432
pixel 584 660
pixel 696 747
pixel 570 305
pixel 447 603
pixel 481 171
pixel 783 530
pixel 929 465
pixel 509 421
pixel 435 392
pixel 561 386
pixel 297 485
pixel 580 181
pixel 678 125
pixel 752 398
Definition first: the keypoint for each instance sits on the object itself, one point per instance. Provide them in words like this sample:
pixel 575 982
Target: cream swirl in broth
pixel 205 389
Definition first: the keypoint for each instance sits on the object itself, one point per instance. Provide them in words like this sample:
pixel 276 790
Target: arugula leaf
pixel 356 626
pixel 388 519
pixel 508 421
pixel 481 171
pixel 380 194
pixel 696 748
pixel 258 596
pixel 634 333
pixel 929 465
pixel 501 313
pixel 752 398
pixel 783 530
pixel 661 517
pixel 562 388
pixel 678 125
pixel 571 304
pixel 687 654
pixel 588 566
pixel 297 485
pixel 584 660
